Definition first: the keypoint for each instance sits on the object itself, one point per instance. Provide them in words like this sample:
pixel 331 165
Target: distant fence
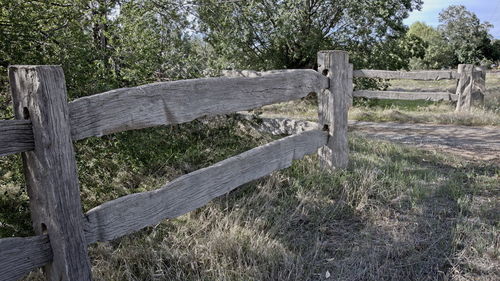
pixel 47 125
pixel 471 85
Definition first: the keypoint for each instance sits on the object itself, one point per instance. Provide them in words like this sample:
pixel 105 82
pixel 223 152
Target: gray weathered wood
pixel 182 101
pixel 479 90
pixel 39 95
pixel 333 107
pixel 465 87
pixel 15 136
pixel 102 114
pixel 413 75
pixel 399 95
pixel 19 256
pixel 189 192
pixel 253 73
pixel 350 85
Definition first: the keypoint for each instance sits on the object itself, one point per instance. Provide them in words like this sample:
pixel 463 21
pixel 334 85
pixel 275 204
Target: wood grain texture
pixel 324 82
pixel 191 191
pixel 350 85
pixel 333 107
pixel 15 136
pixel 479 90
pixel 39 94
pixel 397 95
pixel 182 101
pixel 465 87
pixel 413 75
pixel 19 256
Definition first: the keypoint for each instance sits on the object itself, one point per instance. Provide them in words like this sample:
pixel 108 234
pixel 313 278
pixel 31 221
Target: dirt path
pixel 479 143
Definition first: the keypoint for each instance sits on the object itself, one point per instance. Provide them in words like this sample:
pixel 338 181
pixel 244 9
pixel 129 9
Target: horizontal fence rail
pixel 471 85
pixel 15 136
pixel 18 256
pixel 135 211
pixel 399 95
pixel 413 75
pixel 182 101
pixel 168 103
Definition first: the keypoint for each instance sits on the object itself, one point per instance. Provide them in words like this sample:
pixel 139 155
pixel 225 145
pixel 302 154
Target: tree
pixel 57 32
pixel 101 44
pixel 438 53
pixel 463 30
pixel 265 34
pixel 151 42
pixel 494 51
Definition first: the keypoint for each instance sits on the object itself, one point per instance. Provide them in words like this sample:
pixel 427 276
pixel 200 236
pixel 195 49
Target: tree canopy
pixel 105 44
pixel 287 34
pixel 465 33
pixel 101 44
pixel 438 53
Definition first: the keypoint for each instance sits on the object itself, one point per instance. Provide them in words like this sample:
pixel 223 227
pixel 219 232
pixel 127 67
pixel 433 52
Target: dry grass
pixel 406 111
pixel 438 113
pixel 397 213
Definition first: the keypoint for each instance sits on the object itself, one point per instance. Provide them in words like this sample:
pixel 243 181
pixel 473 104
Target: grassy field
pixel 396 213
pixel 407 111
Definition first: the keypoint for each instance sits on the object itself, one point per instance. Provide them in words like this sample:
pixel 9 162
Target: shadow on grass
pixel 392 215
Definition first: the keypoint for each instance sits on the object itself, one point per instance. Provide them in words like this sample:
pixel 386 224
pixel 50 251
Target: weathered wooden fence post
pixel 350 85
pixel 465 86
pixel 479 87
pixel 39 95
pixel 333 107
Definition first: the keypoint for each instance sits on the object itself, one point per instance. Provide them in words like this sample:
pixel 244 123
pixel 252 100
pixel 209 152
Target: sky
pixel 486 10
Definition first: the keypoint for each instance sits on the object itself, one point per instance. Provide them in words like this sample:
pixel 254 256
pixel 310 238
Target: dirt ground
pixel 478 143
pixel 475 143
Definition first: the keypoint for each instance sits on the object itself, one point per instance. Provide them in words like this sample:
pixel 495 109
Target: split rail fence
pixel 46 126
pixel 471 85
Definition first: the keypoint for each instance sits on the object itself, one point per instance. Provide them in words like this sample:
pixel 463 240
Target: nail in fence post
pixel 333 106
pixel 39 95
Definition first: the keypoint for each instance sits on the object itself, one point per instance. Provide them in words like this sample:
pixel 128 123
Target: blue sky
pixel 486 10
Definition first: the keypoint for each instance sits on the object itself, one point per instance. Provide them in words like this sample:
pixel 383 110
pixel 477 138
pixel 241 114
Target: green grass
pixel 396 213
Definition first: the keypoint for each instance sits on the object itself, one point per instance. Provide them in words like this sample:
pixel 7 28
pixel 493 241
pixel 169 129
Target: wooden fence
pixel 471 83
pixel 47 125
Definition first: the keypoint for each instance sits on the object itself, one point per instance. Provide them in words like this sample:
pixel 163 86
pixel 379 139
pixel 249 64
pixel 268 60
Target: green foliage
pixel 465 33
pixel 152 43
pixel 101 44
pixel 14 205
pixel 493 51
pixel 57 32
pixel 267 34
pixel 438 53
pixel 394 53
